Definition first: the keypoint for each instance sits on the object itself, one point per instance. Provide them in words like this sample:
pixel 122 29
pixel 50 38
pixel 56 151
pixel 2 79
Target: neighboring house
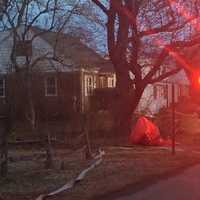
pixel 62 85
pixel 159 95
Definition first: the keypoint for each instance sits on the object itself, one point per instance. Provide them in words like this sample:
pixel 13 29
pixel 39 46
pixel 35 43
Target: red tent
pixel 147 133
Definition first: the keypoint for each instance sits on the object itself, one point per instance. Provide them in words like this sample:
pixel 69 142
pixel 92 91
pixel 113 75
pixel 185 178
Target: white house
pixel 159 95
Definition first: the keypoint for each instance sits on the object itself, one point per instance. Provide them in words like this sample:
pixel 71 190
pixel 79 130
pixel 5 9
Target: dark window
pixel 166 91
pixel 2 87
pixel 113 83
pixel 24 48
pixel 51 86
pixel 101 82
pixel 155 92
pixel 180 90
pixel 89 81
pixel 89 85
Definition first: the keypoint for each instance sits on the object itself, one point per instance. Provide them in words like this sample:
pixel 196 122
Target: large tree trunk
pixel 128 97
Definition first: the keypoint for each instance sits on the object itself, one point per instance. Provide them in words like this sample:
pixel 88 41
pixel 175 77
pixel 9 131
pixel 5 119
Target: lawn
pixel 124 168
pixel 129 169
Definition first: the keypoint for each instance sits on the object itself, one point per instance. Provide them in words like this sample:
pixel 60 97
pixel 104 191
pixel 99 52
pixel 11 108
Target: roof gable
pixel 69 47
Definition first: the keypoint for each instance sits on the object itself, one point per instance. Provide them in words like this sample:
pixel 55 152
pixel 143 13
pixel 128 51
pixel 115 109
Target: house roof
pixel 72 48
pixel 72 51
pixel 178 78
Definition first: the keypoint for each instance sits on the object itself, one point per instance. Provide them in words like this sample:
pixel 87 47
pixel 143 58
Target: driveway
pixel 185 186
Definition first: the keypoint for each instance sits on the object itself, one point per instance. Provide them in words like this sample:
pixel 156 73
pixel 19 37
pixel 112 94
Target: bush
pixel 184 118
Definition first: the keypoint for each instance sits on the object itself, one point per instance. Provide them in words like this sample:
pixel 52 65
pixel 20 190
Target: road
pixel 185 186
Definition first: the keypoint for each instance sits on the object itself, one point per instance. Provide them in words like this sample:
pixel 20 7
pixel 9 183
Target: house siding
pixel 159 95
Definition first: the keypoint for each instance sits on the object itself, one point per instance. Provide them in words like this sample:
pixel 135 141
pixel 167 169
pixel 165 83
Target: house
pixel 68 83
pixel 159 95
pixel 63 83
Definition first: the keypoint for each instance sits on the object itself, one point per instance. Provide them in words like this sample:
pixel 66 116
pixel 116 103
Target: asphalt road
pixel 185 186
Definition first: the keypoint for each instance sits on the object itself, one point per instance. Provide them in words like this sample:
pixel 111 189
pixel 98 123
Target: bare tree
pixel 141 36
pixel 19 18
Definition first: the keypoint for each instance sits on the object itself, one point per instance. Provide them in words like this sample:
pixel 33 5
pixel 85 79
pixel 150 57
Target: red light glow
pixel 179 59
pixel 185 13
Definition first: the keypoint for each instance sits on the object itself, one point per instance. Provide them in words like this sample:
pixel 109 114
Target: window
pixel 89 85
pixel 180 90
pixel 113 83
pixel 2 87
pixel 101 82
pixel 110 82
pixel 158 91
pixel 165 91
pixel 155 93
pixel 161 90
pixel 51 86
pixel 95 81
pixel 24 48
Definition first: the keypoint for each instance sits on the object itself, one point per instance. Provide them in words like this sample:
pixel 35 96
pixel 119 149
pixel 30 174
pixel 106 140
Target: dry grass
pixel 28 177
pixel 122 167
pixel 129 167
pixel 125 167
pixel 190 136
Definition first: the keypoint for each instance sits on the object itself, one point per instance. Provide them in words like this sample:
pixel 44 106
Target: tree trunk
pixel 85 121
pixel 127 101
pixel 125 111
pixel 4 147
pixel 49 150
pixel 88 150
pixel 31 114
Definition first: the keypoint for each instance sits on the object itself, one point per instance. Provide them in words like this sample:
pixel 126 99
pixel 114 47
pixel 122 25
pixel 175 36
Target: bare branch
pixel 164 28
pixel 165 75
pixel 101 6
pixel 156 66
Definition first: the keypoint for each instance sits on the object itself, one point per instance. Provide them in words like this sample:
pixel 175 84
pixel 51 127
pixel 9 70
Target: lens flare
pixel 198 80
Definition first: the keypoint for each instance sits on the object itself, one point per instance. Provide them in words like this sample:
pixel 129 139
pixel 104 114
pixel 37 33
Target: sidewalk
pixel 185 186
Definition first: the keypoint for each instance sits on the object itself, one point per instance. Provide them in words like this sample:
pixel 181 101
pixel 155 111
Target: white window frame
pixel 94 82
pixel 46 86
pixel 111 83
pixel 89 84
pixel 3 87
pixel 101 82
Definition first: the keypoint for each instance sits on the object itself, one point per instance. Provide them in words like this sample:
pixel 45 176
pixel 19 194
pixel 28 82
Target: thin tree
pixel 19 18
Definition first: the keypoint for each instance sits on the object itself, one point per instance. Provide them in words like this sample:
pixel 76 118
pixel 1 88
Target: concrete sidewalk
pixel 185 186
